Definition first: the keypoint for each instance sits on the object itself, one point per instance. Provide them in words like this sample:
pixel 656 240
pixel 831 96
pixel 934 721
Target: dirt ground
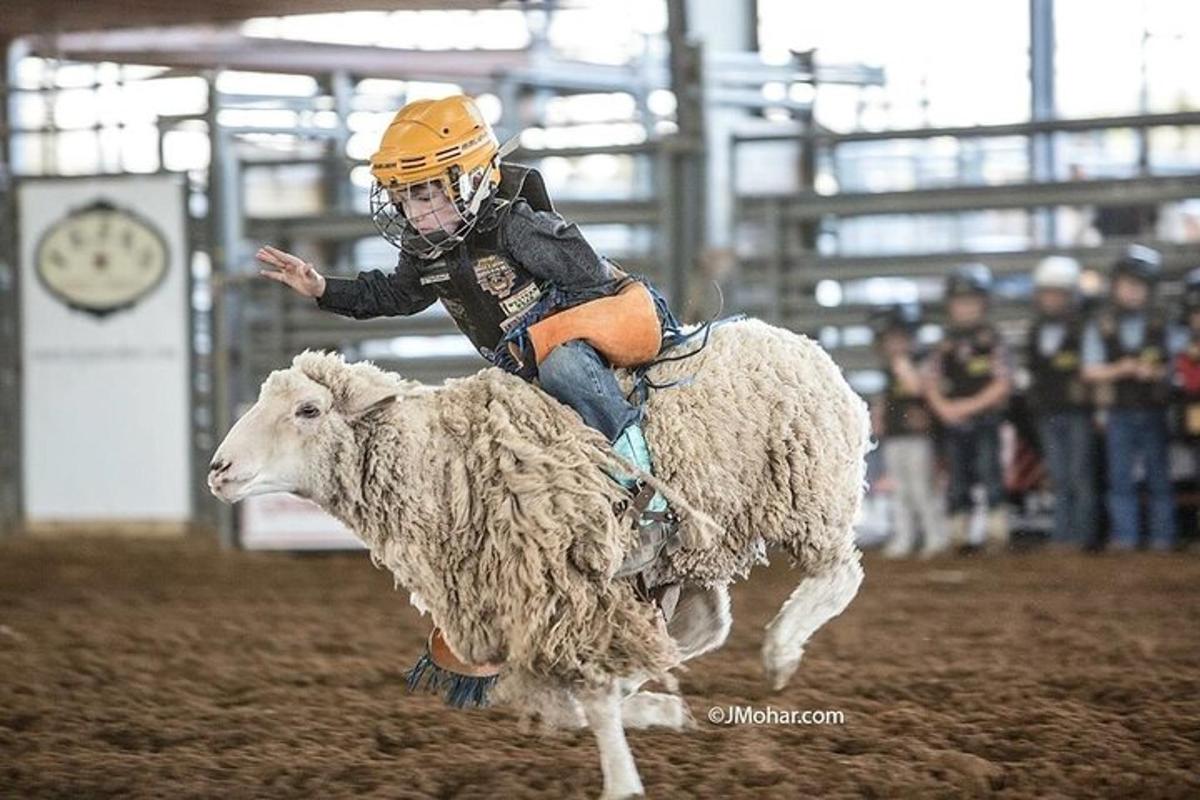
pixel 149 669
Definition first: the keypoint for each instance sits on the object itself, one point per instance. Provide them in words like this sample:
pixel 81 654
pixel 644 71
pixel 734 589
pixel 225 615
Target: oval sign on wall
pixel 101 258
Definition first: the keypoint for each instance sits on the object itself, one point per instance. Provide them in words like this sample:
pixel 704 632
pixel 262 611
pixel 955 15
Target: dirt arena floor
pixel 140 669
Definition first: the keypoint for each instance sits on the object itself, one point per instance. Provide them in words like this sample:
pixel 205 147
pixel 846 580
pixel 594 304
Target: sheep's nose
pixel 218 466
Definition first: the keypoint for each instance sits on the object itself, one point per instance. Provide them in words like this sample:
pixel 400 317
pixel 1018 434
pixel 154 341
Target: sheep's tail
pixel 697 530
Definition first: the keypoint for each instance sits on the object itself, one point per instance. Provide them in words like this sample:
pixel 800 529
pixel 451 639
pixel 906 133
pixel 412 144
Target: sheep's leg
pixel 656 710
pixel 638 710
pixel 702 620
pixel 700 625
pixel 818 599
pixel 602 709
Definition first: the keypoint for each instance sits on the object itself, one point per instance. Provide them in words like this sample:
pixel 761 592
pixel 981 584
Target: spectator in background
pixel 1125 352
pixel 904 425
pixel 1186 372
pixel 1060 399
pixel 968 384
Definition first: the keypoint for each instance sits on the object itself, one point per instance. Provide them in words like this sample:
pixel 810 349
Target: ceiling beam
pixel 59 16
pixel 226 48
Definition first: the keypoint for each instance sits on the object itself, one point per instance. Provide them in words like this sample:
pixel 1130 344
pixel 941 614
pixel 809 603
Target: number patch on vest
pixel 520 302
pixel 979 365
pixel 1066 360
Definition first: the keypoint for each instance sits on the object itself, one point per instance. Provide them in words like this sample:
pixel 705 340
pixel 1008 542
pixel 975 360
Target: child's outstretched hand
pixel 291 270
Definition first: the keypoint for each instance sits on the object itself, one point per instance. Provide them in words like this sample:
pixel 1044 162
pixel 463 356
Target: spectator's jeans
pixel 1134 433
pixel 973 456
pixel 576 375
pixel 908 460
pixel 1068 446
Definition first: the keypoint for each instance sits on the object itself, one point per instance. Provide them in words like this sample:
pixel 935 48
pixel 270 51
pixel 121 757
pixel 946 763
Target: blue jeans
pixel 576 375
pixel 973 456
pixel 1134 433
pixel 1068 447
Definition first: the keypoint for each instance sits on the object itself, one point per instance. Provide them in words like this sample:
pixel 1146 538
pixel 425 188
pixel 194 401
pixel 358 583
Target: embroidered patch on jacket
pixel 521 300
pixel 495 275
pixel 516 305
pixel 433 272
pixel 434 277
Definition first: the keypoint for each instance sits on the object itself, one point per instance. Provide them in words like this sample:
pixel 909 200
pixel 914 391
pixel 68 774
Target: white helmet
pixel 1057 272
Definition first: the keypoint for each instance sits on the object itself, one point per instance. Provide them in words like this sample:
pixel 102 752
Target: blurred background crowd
pixel 1079 425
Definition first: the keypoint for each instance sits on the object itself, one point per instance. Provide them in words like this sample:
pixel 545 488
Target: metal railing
pixel 779 265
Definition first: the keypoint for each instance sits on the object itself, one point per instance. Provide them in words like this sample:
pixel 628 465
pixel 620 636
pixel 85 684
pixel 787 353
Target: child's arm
pixel 989 397
pixel 1096 367
pixel 907 375
pixel 370 294
pixel 945 408
pixel 553 249
pixel 997 390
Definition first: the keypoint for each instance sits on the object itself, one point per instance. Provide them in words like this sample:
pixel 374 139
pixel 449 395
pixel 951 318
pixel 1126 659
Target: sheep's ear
pixel 362 400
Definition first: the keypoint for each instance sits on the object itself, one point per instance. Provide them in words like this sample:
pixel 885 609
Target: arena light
pixel 662 102
pixel 829 294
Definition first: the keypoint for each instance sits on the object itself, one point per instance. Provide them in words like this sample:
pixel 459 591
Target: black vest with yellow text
pixel 1057 378
pixel 1129 392
pixel 484 289
pixel 968 362
pixel 905 413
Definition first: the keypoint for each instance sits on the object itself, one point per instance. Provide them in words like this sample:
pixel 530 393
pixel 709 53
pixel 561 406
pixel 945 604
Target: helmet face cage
pixel 428 218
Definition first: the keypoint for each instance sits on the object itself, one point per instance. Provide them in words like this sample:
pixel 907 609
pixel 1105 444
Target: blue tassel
pixel 459 691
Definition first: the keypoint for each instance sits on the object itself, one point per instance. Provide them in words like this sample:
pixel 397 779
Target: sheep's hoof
pixel 656 710
pixel 780 668
pixel 779 676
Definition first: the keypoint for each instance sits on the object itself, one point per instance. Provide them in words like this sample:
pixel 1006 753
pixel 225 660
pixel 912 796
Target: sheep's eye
pixel 308 411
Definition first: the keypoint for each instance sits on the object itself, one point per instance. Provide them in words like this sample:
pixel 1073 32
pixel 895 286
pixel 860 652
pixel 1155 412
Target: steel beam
pixel 810 206
pixel 810 268
pixel 1081 125
pixel 11 411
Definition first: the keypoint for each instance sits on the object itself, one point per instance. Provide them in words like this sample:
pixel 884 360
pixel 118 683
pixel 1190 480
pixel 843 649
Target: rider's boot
pixel 648 510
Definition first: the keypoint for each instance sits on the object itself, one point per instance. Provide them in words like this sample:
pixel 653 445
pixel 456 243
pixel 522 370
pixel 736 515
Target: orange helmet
pixel 433 146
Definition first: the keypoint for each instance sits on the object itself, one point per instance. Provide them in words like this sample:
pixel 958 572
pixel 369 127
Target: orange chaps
pixel 623 327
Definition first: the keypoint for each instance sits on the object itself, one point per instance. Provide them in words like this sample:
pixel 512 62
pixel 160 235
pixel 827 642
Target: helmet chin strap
pixel 481 192
pixel 508 147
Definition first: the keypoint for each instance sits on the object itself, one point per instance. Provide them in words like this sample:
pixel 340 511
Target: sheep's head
pixel 290 439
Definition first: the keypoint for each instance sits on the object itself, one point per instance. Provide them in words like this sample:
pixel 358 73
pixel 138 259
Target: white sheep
pixel 492 503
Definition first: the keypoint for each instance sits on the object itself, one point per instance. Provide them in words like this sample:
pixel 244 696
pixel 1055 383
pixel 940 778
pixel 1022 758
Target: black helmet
pixel 898 317
pixel 1191 292
pixel 969 279
pixel 1139 261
